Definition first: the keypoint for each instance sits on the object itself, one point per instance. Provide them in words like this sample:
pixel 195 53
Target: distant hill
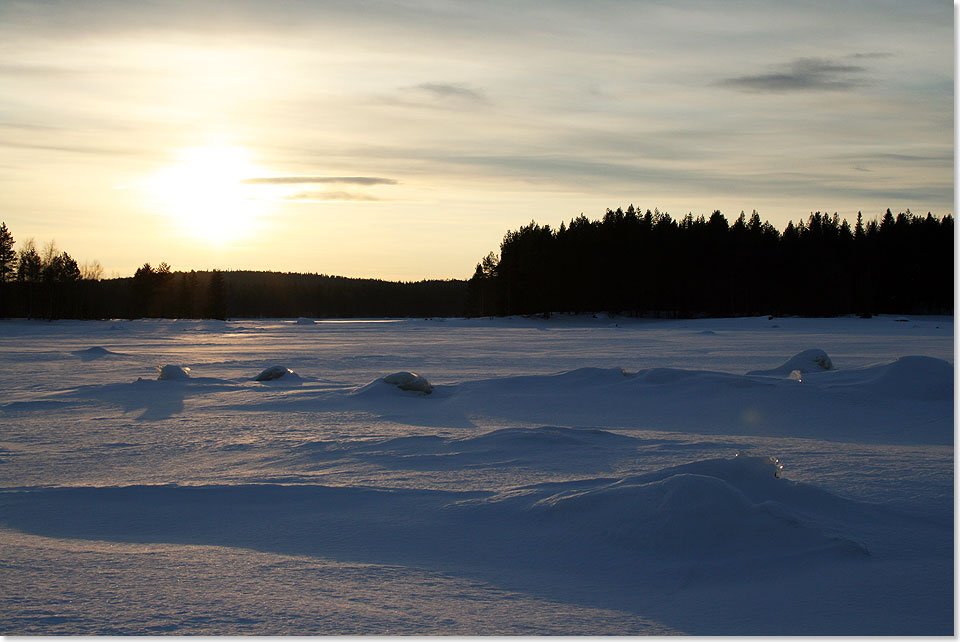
pixel 216 294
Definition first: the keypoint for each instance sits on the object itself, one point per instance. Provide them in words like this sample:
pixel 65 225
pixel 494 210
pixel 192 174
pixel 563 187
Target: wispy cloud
pixel 96 150
pixel 438 95
pixel 450 91
pixel 36 71
pixel 316 180
pixel 803 74
pixel 871 54
pixel 324 197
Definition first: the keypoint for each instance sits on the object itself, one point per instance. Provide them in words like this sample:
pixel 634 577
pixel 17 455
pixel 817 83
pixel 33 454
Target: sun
pixel 203 191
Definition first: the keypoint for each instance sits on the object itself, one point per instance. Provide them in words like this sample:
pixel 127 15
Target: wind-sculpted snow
pixel 666 518
pixel 907 401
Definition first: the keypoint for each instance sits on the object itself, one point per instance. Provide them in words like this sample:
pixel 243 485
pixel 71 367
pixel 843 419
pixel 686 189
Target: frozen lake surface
pixel 573 475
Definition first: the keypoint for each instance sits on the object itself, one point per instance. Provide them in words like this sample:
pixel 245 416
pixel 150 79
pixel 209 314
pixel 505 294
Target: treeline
pixel 220 295
pixel 626 263
pixel 161 293
pixel 49 284
pixel 650 264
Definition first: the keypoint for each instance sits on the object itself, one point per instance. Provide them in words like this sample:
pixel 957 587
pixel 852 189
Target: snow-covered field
pixel 564 476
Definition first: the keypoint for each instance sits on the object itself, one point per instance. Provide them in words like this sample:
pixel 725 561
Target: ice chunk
pixel 274 372
pixel 409 381
pixel 304 321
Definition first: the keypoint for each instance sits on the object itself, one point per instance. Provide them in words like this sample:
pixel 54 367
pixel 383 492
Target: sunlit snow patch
pixel 171 372
pixel 806 362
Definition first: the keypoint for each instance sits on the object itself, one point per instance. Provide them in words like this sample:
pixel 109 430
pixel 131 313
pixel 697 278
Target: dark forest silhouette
pixel 650 264
pixel 626 263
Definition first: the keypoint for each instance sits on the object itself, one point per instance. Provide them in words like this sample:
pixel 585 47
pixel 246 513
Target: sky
pixel 401 140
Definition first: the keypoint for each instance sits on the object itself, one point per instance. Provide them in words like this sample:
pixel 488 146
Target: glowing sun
pixel 204 192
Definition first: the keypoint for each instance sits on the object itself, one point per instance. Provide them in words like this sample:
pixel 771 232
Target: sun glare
pixel 204 193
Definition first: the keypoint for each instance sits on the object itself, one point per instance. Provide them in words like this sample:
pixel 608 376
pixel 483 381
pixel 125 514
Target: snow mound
pixel 409 381
pixel 914 377
pixel 171 372
pixel 276 372
pixel 813 360
pixel 305 321
pixel 91 354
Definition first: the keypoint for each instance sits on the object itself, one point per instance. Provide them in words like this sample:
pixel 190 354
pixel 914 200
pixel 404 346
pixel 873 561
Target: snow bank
pixel 171 372
pixel 274 373
pixel 813 360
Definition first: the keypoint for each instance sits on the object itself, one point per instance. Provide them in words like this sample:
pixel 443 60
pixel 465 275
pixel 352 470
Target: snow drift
pixel 914 377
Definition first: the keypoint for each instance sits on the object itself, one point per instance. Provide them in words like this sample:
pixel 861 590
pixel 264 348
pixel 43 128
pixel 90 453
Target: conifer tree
pixel 8 258
pixel 29 264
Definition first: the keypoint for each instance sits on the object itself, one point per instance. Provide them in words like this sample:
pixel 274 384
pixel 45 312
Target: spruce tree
pixel 29 264
pixel 8 258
